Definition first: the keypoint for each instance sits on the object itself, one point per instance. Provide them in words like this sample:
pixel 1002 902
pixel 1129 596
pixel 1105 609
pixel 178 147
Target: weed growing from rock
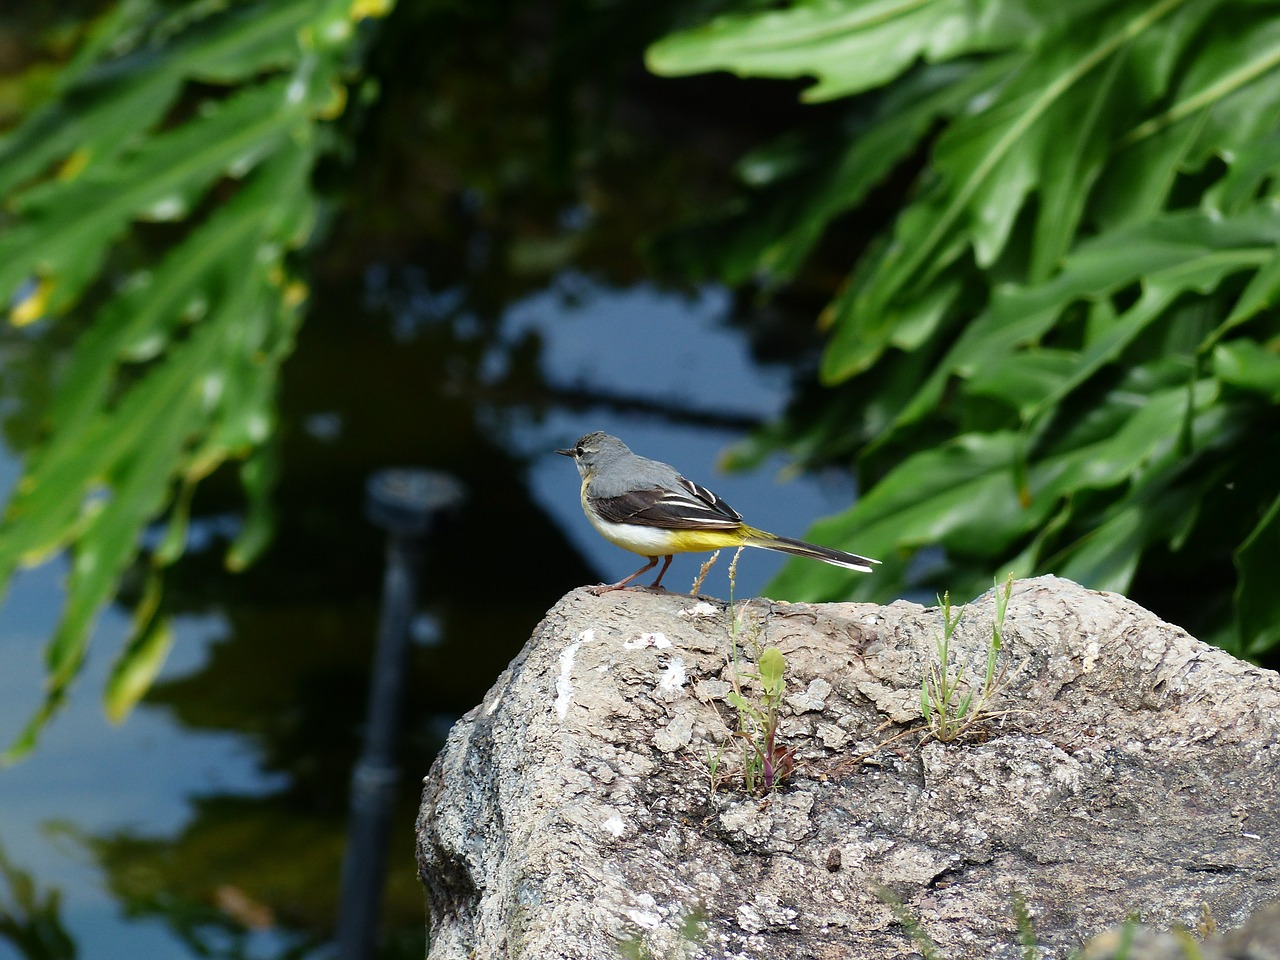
pixel 948 713
pixel 765 763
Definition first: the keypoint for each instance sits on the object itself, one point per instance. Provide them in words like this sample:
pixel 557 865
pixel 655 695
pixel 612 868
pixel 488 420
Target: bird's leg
pixel 606 587
pixel 661 573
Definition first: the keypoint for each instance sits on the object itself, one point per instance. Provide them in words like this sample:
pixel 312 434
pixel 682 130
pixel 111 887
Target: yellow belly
pixel 659 541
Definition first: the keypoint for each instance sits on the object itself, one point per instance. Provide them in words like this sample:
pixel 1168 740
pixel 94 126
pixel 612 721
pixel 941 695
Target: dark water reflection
pixel 481 299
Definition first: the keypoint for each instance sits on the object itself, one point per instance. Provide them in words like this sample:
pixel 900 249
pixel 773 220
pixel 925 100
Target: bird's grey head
pixel 594 449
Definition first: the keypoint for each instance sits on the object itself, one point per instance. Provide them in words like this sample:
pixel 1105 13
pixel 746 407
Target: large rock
pixel 1131 770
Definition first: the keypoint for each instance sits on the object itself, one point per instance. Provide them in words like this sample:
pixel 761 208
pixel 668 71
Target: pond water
pixel 474 341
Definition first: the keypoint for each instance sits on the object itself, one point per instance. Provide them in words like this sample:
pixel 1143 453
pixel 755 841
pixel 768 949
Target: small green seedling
pixel 949 703
pixel 765 763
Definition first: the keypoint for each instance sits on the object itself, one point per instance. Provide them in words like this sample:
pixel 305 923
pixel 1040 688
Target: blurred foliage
pixel 1060 351
pixel 31 920
pixel 156 198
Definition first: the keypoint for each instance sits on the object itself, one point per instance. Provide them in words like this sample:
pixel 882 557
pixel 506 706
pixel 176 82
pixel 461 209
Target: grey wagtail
pixel 646 507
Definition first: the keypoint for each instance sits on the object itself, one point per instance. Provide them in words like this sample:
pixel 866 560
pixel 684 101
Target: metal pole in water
pixel 406 503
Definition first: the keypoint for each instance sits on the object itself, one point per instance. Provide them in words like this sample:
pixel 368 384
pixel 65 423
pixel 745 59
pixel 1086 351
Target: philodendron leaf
pixel 258 476
pixel 987 163
pixel 962 492
pixel 1062 348
pixel 1168 255
pixel 964 496
pixel 848 47
pixel 1257 600
pixel 107 108
pixel 65 227
pixel 177 372
pixel 1248 366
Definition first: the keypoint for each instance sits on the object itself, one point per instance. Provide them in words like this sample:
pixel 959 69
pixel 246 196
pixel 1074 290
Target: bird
pixel 647 507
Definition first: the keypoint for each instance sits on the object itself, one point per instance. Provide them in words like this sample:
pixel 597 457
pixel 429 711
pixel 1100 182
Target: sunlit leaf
pixel 177 373
pixel 989 162
pixel 142 658
pixel 848 47
pixel 66 227
pixel 772 666
pixel 139 665
pixel 1063 344
pixel 1167 255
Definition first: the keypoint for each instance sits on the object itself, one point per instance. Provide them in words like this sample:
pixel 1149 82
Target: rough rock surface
pixel 1131 770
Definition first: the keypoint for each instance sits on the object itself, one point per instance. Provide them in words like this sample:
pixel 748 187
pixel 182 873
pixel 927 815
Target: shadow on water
pixel 518 154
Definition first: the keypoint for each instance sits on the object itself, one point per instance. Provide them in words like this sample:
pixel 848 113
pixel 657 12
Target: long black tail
pixel 799 548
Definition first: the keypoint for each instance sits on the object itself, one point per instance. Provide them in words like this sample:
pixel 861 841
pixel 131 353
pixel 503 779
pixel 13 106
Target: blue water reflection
pixel 91 778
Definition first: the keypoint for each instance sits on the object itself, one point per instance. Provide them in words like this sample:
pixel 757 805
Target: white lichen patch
pixel 656 640
pixel 613 825
pixel 671 684
pixel 646 915
pixel 564 682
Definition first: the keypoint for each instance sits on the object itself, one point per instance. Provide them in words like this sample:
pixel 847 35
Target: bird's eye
pixel 578 451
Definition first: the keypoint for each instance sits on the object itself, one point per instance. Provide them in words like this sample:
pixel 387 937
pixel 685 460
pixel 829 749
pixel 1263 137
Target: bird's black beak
pixel 565 453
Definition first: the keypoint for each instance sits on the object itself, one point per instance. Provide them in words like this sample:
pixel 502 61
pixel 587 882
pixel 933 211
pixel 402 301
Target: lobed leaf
pixel 848 47
pixel 178 373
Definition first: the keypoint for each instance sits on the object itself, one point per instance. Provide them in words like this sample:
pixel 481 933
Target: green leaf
pixel 138 667
pixel 1252 169
pixel 965 497
pixel 26 740
pixel 65 227
pixel 1257 601
pixel 104 107
pixel 771 667
pixel 1262 292
pixel 1023 380
pixel 1146 428
pixel 259 475
pixel 849 47
pixel 1245 364
pixel 987 163
pixel 217 257
pixel 1068 169
pixel 1106 557
pixel 142 657
pixel 177 372
pixel 168 406
pixel 1065 343
pixel 1234 80
pixel 961 493
pixel 1167 255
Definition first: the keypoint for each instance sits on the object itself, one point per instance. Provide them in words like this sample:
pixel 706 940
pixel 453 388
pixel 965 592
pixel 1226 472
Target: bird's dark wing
pixel 692 507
